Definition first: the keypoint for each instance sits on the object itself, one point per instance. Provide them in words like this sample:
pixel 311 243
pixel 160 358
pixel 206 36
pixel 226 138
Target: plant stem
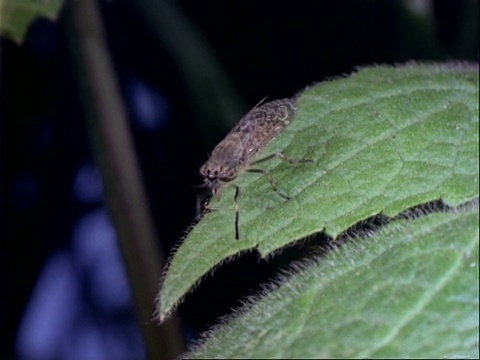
pixel 123 188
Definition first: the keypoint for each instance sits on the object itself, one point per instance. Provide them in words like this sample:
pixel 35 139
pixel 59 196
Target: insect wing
pixel 266 122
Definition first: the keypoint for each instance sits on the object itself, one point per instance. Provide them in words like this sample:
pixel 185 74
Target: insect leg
pixel 235 198
pixel 202 204
pixel 283 157
pixel 270 179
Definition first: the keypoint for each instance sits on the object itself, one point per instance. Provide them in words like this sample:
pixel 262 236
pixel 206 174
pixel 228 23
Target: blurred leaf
pixel 16 16
pixel 383 140
pixel 409 291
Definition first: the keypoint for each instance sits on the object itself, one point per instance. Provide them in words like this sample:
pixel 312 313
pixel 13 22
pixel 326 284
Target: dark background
pixel 51 189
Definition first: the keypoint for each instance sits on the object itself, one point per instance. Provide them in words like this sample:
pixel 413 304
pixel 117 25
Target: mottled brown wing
pixel 264 122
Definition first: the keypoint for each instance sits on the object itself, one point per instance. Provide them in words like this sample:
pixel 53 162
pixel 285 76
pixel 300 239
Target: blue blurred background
pixel 64 287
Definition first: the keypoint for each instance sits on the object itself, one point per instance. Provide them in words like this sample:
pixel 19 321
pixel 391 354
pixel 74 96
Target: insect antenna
pixel 260 103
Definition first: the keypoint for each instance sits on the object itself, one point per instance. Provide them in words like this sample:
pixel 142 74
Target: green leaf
pixel 409 291
pixel 17 15
pixel 383 140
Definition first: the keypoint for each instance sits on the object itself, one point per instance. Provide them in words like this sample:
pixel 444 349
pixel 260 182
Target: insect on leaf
pixel 233 154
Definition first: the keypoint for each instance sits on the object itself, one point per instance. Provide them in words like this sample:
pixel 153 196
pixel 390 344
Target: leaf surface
pixel 409 291
pixel 383 140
